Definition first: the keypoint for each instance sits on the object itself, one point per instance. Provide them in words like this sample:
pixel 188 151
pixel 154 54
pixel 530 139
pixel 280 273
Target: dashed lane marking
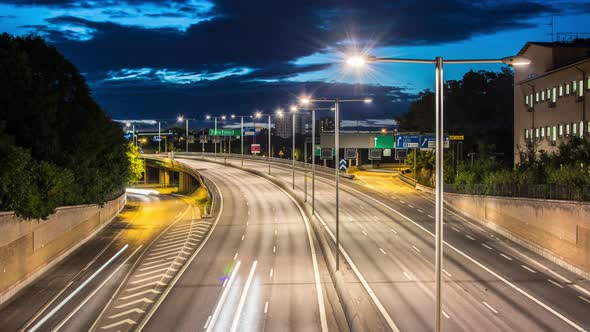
pixel 490 307
pixel 507 257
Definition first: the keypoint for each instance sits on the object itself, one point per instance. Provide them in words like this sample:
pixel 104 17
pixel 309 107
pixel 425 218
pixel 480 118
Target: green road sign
pixel 384 142
pixel 224 132
pixel 318 150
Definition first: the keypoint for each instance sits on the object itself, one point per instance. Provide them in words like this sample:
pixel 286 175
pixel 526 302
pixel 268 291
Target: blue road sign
pixel 128 136
pixel 342 165
pixel 407 141
pixel 429 141
pixel 249 131
pixel 157 138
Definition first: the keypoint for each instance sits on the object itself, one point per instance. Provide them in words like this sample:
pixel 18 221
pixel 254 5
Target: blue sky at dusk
pixel 156 59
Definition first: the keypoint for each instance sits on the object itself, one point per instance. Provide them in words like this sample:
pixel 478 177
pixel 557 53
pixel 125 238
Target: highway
pixel 490 283
pixel 253 266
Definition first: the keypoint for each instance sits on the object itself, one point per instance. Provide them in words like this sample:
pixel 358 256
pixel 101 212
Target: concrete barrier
pixel 28 248
pixel 557 230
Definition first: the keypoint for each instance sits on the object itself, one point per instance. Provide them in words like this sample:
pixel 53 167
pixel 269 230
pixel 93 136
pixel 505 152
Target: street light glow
pixel 356 61
pixel 293 108
pixel 180 118
pixel 233 116
pixel 280 113
pixel 367 100
pixel 258 115
pixel 128 125
pixel 208 117
pixel 304 101
pixel 516 61
pixel 223 117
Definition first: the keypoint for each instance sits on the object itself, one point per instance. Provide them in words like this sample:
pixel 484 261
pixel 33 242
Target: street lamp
pixel 360 61
pixel 241 133
pixel 209 117
pixel 258 115
pixel 180 119
pixel 307 101
pixel 294 112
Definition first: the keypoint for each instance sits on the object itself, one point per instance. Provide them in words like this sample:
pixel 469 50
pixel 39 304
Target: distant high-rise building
pixel 550 105
pixel 284 124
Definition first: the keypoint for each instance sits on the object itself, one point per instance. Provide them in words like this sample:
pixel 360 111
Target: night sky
pixel 149 59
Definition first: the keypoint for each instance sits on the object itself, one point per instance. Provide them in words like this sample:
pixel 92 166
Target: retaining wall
pixel 30 247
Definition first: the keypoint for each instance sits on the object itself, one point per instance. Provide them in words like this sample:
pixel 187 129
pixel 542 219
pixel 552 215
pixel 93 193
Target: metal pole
pixel 134 142
pixel 337 147
pixel 159 137
pixel 187 135
pixel 313 162
pixel 415 163
pixel 305 167
pixel 242 139
pixel 439 192
pixel 215 139
pixel 269 144
pixel 293 153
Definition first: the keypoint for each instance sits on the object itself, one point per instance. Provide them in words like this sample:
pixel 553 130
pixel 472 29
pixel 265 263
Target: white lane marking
pixel 415 248
pixel 445 314
pixel 169 242
pixel 365 233
pixel 271 272
pixel 485 245
pixel 456 229
pixel 431 217
pixel 149 278
pixel 507 257
pixel 490 271
pixel 143 299
pixel 276 232
pixel 166 249
pixel 248 212
pixel 393 230
pixel 77 290
pixel 393 197
pixel 223 297
pixel 159 265
pixel 207 322
pixel 490 307
pixel 265 307
pixel 154 271
pixel 181 252
pixel 555 283
pixel 528 269
pixel 130 311
pixel 584 299
pixel 383 251
pixel 153 291
pixel 407 276
pixel 470 237
pixel 362 279
pixel 401 201
pixel 234 325
pixel 411 206
pixel 236 256
pixel 274 249
pixel 243 236
pixel 447 273
pixel 91 295
pixel 153 283
pixel 124 321
pixel 420 211
pixel 376 218
pixel 362 207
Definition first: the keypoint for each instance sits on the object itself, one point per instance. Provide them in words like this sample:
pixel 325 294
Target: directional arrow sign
pixel 342 165
pixel 407 141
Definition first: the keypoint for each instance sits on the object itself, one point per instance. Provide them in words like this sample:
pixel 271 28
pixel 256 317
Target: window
pixel 581 89
pixel 560 130
pixel 554 137
pixel 581 128
pixel 526 134
pixel 561 90
pixel 543 95
pixel 548 130
pixel 588 128
pixel 567 89
pixel 537 133
pixel 567 129
pixel 553 95
pixel 574 129
pixel 548 93
pixel 527 100
pixel 542 133
pixel 536 97
pixel 574 86
pixel 531 100
pixel 588 83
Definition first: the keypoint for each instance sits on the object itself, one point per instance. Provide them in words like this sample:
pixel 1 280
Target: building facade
pixel 284 124
pixel 550 104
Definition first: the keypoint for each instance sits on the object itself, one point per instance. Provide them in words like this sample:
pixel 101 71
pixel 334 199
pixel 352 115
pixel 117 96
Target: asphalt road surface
pixel 491 284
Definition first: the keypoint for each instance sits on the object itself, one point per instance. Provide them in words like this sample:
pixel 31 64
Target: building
pixel 549 95
pixel 284 124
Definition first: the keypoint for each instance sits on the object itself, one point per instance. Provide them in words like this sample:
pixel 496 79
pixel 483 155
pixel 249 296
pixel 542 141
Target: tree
pixel 136 163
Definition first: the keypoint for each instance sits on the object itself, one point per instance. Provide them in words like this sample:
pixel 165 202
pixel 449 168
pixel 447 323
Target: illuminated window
pixel 526 134
pixel 560 130
pixel 531 99
pixel 581 89
pixel 553 95
pixel 581 128
pixel 588 83
pixel 574 86
pixel 542 95
pixel 542 132
pixel 527 100
pixel 567 89
pixel 537 133
pixel 574 129
pixel 588 128
pixel 567 129
pixel 561 90
pixel 554 132
pixel 548 130
pixel 548 94
pixel 536 97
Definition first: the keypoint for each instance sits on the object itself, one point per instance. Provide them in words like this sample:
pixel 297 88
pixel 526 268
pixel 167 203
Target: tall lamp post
pixel 312 110
pixel 241 133
pixel 208 117
pixel 359 61
pixel 180 119
pixel 336 102
pixel 258 115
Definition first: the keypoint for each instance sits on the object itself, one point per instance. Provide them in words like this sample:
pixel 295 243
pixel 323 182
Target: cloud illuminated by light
pixel 173 76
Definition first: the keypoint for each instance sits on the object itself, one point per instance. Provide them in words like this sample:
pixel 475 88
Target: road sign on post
pixel 157 138
pixel 327 154
pixel 224 132
pixel 383 142
pixel 342 165
pixel 255 148
pixel 349 153
pixel 374 154
pixel 400 154
pixel 386 152
pixel 407 141
pixel 318 150
pixel 428 142
pixel 203 139
pixel 249 131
